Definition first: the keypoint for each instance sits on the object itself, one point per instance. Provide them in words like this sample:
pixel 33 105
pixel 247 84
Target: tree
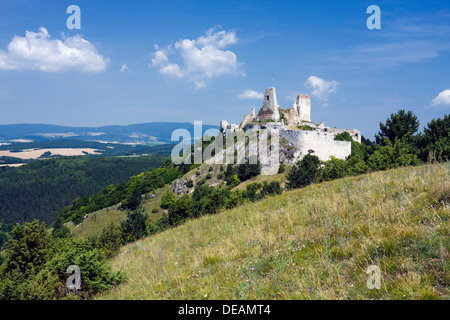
pixel 134 226
pixel 181 210
pixel 167 199
pixel 400 125
pixel 110 240
pixel 246 171
pixel 436 139
pixel 304 172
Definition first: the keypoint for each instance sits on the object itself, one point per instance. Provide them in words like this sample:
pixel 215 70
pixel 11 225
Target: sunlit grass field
pixel 311 243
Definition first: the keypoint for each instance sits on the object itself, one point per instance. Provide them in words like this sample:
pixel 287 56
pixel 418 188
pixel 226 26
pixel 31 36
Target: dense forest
pixel 42 187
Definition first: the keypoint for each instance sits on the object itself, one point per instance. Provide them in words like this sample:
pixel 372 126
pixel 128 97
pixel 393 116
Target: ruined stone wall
pixel 303 106
pixel 320 144
pixel 354 133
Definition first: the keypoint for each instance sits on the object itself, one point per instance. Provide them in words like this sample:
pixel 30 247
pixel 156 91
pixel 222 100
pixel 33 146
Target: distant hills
pixel 142 133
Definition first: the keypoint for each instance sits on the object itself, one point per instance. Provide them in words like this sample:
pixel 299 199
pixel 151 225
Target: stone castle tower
pixel 302 106
pixel 269 110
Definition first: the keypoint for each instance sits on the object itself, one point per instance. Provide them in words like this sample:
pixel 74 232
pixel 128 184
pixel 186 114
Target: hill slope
pixel 41 188
pixel 311 243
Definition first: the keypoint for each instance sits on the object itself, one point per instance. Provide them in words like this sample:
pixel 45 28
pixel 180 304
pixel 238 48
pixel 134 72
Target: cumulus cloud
pixel 38 51
pixel 322 89
pixel 199 59
pixel 251 95
pixel 442 98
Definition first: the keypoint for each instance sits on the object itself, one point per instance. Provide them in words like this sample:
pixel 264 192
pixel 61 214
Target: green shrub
pixel 190 183
pixel 305 127
pixel 234 181
pixel 251 190
pixel 246 171
pixel 344 136
pixel 167 199
pixel 304 172
pixel 110 240
pixel 134 226
pixel 181 210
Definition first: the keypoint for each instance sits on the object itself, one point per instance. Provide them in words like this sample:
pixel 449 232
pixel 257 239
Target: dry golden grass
pixel 311 243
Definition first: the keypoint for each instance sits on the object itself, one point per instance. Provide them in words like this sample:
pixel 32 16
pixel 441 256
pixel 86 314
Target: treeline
pixel 42 187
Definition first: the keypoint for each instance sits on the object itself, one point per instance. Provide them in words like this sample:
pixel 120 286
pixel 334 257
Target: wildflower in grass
pixel 309 289
pixel 339 202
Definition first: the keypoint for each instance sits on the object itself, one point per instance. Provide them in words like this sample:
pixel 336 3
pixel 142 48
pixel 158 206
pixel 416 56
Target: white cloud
pixel 442 98
pixel 251 95
pixel 171 69
pixel 200 59
pixel 37 51
pixel 124 67
pixel 160 58
pixel 321 88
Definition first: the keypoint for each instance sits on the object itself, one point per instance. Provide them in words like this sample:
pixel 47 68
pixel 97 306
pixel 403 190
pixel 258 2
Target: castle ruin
pixel 295 126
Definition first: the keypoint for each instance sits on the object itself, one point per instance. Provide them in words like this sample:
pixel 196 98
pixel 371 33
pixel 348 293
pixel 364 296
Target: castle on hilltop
pixel 296 127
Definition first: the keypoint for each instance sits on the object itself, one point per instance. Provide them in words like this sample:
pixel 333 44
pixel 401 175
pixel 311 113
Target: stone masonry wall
pixel 320 144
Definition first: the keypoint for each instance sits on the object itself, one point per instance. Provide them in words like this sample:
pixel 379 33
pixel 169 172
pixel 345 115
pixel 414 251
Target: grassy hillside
pixel 96 221
pixel 310 243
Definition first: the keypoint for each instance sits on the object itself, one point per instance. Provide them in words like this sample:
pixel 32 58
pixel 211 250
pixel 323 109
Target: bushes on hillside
pixel 167 199
pixel 339 168
pixel 304 172
pixel 110 240
pixel 35 265
pixel 390 155
pixel 128 194
pixel 134 227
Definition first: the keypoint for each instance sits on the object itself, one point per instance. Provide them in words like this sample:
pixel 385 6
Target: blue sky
pixel 141 61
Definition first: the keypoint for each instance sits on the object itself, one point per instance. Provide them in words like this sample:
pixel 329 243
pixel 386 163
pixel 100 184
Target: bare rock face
pixel 179 186
pixel 269 110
